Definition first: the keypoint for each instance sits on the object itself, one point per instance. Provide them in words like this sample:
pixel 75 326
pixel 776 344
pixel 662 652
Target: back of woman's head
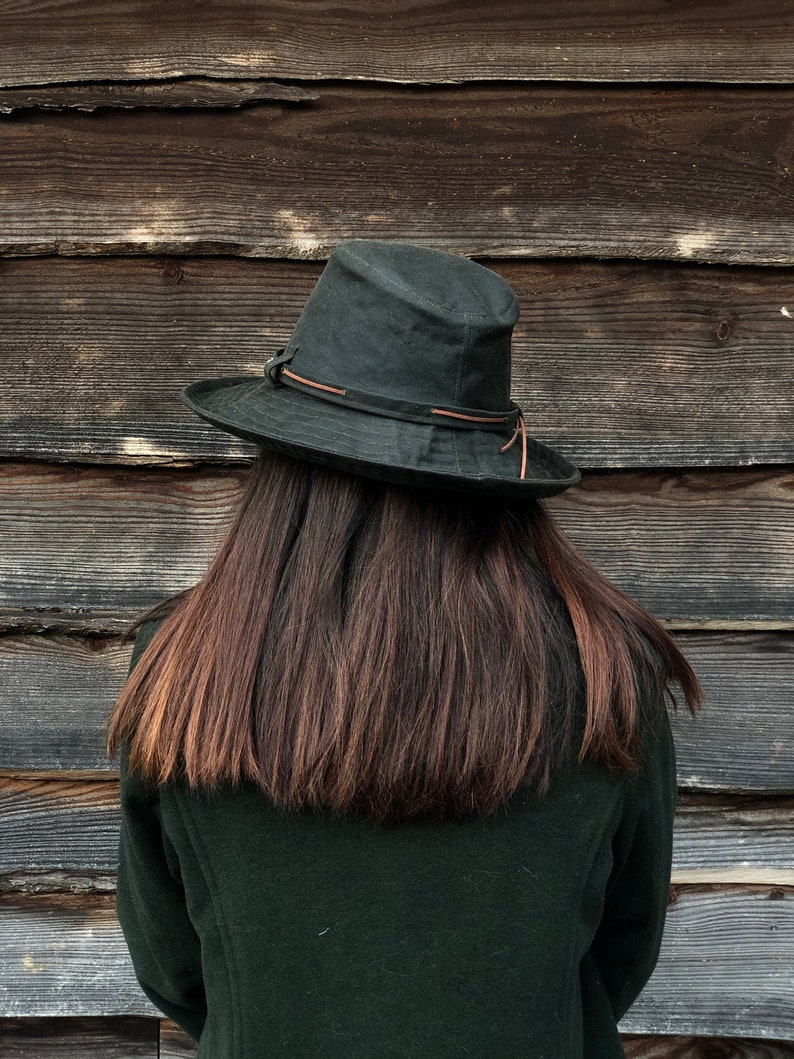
pixel 392 652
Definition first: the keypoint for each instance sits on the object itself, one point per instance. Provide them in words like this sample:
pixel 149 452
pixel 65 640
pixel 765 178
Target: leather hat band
pixel 465 418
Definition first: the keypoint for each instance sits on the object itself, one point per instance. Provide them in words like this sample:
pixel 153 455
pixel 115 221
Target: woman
pixel 398 776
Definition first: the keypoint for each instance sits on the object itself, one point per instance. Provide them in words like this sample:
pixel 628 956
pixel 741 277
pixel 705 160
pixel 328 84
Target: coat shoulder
pixel 142 639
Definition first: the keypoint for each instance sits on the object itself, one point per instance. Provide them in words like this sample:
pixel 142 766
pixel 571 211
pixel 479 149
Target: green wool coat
pixel 529 934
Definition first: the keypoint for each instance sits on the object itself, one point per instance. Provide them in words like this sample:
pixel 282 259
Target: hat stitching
pixel 539 457
pixel 457 454
pixel 462 362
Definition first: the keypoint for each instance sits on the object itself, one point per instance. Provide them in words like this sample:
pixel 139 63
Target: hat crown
pixel 409 322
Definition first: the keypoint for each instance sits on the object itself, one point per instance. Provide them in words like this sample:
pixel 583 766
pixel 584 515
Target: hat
pixel 398 369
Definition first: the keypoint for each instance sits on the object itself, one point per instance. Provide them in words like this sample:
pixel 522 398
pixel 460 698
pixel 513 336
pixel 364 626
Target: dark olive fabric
pixel 398 368
pixel 528 934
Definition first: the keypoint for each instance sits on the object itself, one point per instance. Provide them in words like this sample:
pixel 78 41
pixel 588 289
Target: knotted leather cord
pixel 277 366
pixel 504 448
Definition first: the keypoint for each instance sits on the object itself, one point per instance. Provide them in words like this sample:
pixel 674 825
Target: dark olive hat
pixel 398 369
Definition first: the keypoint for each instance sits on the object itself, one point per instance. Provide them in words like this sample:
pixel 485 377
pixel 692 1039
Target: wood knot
pixel 723 331
pixel 173 272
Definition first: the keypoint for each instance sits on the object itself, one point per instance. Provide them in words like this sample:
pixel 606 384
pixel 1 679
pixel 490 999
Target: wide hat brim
pixel 391 450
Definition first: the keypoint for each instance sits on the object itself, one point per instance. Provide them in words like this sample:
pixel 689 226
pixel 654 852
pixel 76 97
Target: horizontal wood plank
pixel 174 1042
pixel 108 520
pixel 79 1038
pixel 49 827
pixel 695 174
pixel 185 92
pixel 733 841
pixel 618 364
pixel 56 692
pixel 58 826
pixel 678 542
pixel 135 1038
pixel 705 546
pixel 741 937
pixel 681 1046
pixel 749 688
pixel 66 953
pixel 394 40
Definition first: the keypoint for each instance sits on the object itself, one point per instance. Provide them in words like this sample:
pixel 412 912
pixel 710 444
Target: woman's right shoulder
pixel 657 748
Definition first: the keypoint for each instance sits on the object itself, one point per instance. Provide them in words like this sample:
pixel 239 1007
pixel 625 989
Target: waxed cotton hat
pixel 398 368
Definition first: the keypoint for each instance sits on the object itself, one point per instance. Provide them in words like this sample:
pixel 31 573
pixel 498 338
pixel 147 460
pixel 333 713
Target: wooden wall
pixel 171 179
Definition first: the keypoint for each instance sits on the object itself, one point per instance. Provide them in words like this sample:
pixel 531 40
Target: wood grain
pixel 741 938
pixel 66 954
pixel 720 841
pixel 174 1044
pixel 694 174
pixel 79 1038
pixel 83 518
pixel 394 40
pixel 681 1046
pixel 186 92
pixel 618 364
pixel 52 828
pixel 699 567
pixel 755 671
pixel 56 692
pixel 135 1038
pixel 698 547
pixel 64 834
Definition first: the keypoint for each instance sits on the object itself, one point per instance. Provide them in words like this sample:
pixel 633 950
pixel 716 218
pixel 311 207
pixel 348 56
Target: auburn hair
pixel 393 652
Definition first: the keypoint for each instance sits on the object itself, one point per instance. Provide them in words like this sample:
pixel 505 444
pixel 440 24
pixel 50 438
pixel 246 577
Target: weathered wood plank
pixel 689 174
pixel 110 521
pixel 186 92
pixel 394 40
pixel 58 834
pixel 174 1042
pixel 56 692
pixel 100 540
pixel 66 954
pixel 742 678
pixel 79 1038
pixel 684 1047
pixel 116 1039
pixel 720 841
pixel 742 937
pixel 699 565
pixel 616 363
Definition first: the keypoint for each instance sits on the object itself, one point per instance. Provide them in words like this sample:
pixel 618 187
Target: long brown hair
pixel 367 648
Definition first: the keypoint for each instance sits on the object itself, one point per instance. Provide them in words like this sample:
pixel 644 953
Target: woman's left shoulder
pixel 142 639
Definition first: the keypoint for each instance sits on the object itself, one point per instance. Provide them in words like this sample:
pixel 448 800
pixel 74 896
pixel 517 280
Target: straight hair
pixel 392 652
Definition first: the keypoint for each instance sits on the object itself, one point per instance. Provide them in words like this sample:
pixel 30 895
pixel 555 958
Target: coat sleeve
pixel 628 940
pixel 163 944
